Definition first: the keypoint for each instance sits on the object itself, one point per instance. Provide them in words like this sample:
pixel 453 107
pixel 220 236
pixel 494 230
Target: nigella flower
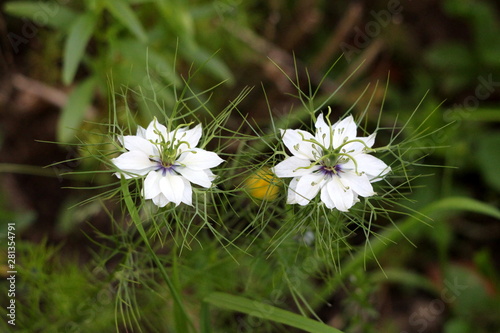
pixel 334 162
pixel 169 160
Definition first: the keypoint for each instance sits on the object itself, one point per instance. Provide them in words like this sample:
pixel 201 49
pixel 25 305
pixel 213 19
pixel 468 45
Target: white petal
pixel 134 162
pixel 325 197
pixel 210 174
pixel 189 138
pixel 358 183
pixel 156 132
pixel 369 140
pixel 187 194
pixel 294 141
pixel 141 132
pixel 356 147
pixel 199 159
pixel 292 195
pixel 308 187
pixel 198 177
pixel 172 187
pixel 342 197
pixel 323 132
pixel 294 166
pixel 132 142
pixel 152 185
pixel 160 200
pixel 374 168
pixel 343 131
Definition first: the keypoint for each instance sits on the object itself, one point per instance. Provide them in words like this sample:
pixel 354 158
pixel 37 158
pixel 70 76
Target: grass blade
pixel 268 312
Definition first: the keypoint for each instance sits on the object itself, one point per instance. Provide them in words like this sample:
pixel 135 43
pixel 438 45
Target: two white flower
pixel 334 162
pixel 169 160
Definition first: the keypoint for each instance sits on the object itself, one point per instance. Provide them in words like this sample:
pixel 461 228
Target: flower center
pixel 331 170
pixel 169 152
pixel 331 164
pixel 164 167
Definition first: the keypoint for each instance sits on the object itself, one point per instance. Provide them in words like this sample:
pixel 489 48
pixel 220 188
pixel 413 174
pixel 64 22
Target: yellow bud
pixel 262 185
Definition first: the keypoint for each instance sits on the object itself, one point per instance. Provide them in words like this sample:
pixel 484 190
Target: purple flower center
pixel 164 167
pixel 330 171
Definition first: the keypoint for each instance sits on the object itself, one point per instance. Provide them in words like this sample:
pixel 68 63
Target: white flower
pixel 169 160
pixel 333 161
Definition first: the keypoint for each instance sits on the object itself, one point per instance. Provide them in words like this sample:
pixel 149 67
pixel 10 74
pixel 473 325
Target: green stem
pixel 134 214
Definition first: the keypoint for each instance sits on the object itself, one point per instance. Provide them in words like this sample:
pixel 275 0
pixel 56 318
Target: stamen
pixel 336 170
pixel 164 167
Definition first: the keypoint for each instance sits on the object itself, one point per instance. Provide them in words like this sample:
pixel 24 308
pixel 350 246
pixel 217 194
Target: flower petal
pixel 134 162
pixel 141 132
pixel 294 141
pixel 323 132
pixel 356 147
pixel 325 197
pixel 358 183
pixel 187 194
pixel 294 166
pixel 160 200
pixel 374 168
pixel 343 131
pixel 172 186
pixel 152 185
pixel 198 177
pixel 156 132
pixel 136 143
pixel 308 187
pixel 292 195
pixel 199 159
pixel 342 197
pixel 189 138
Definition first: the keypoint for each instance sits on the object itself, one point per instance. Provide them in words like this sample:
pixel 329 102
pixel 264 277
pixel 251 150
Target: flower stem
pixel 134 214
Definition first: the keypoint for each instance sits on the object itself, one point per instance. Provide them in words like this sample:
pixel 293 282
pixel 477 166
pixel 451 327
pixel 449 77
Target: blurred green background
pixel 61 61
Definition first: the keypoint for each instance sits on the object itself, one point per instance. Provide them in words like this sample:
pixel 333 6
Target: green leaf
pixel 456 70
pixel 483 19
pixel 73 112
pixel 51 14
pixel 177 15
pixel 488 159
pixel 207 61
pixel 485 114
pixel 402 277
pixel 457 325
pixel 158 63
pixel 74 48
pixel 205 320
pixel 462 204
pixel 411 225
pixel 268 312
pixel 439 57
pixel 126 16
